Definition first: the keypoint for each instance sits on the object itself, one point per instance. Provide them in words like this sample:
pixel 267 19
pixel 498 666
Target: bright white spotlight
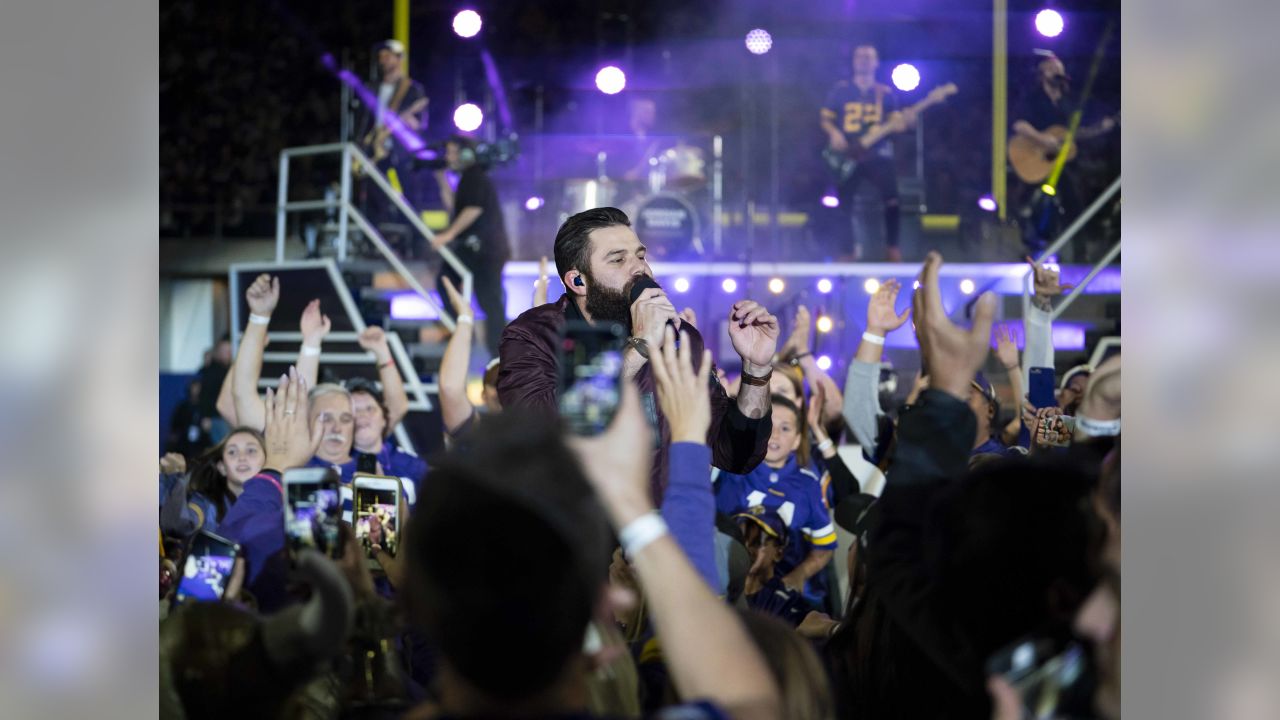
pixel 824 362
pixel 776 286
pixel 729 285
pixel 759 41
pixel 533 203
pixel 915 285
pixel 468 117
pixel 906 77
pixel 988 203
pixel 824 286
pixel 467 23
pixel 682 285
pixel 825 324
pixel 830 201
pixel 1049 23
pixel 611 80
pixel 966 286
pixel 871 286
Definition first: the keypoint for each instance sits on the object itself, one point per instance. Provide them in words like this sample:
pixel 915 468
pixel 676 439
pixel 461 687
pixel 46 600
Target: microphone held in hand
pixel 642 283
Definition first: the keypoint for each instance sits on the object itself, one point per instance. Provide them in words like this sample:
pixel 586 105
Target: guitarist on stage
pixel 403 96
pixel 852 108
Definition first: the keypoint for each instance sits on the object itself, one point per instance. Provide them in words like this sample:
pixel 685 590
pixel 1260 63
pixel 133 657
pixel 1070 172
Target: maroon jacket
pixel 528 379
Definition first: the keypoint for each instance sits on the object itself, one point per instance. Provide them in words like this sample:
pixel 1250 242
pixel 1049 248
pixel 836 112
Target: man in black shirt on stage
pixel 476 234
pixel 852 108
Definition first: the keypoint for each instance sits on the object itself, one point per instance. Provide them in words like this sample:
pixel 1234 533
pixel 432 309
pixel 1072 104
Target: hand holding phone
pixel 1053 676
pixel 1053 429
pixel 377 512
pixel 590 376
pixel 312 510
pixel 207 568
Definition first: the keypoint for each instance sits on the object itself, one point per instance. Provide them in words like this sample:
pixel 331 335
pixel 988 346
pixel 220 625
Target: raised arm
pixel 1038 325
pixel 374 340
pixel 455 407
pixel 226 402
pixel 862 386
pixel 262 297
pixel 753 331
pixel 1007 354
pixel 705 645
pixel 314 327
pixel 797 349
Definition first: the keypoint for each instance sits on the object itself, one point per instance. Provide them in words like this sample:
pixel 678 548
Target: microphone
pixel 644 282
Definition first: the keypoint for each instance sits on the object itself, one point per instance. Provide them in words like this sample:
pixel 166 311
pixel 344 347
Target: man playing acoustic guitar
pixel 852 109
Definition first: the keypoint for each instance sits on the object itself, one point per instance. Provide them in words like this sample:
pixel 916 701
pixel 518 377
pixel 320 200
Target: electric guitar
pixel 1033 163
pixel 844 163
pixel 378 143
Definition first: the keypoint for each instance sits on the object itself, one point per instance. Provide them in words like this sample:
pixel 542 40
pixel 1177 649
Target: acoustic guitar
pixel 844 163
pixel 1033 163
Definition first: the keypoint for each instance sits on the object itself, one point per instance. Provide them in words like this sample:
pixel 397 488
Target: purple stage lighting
pixel 759 41
pixel 1049 23
pixel 467 23
pixel 824 362
pixel 906 77
pixel 468 117
pixel 729 285
pixel 967 286
pixel 533 203
pixel 988 203
pixel 682 285
pixel 611 80
pixel 824 285
pixel 830 201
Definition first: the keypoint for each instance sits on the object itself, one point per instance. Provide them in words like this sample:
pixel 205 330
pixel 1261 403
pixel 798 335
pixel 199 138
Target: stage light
pixel 830 201
pixel 915 285
pixel 906 77
pixel 533 203
pixel 988 203
pixel 1049 23
pixel 468 117
pixel 682 285
pixel 776 286
pixel 467 23
pixel 611 80
pixel 1048 189
pixel 825 324
pixel 824 286
pixel 871 286
pixel 729 285
pixel 759 41
pixel 824 362
pixel 966 286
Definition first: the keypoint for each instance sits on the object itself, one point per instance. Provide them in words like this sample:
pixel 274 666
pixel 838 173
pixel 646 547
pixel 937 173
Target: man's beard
pixel 608 305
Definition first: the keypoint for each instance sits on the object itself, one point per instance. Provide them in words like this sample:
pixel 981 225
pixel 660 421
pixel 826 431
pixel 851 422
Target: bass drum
pixel 669 227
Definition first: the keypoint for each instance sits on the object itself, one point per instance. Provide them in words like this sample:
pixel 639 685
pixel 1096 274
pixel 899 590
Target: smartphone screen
pixel 312 510
pixel 1041 388
pixel 377 512
pixel 207 568
pixel 1053 677
pixel 590 377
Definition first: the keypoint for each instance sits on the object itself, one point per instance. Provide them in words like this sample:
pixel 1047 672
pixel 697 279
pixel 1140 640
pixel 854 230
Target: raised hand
pixel 314 325
pixel 1047 282
pixel 953 354
pixel 461 308
pixel 263 295
pixel 798 341
pixel 816 400
pixel 617 461
pixel 754 333
pixel 374 340
pixel 881 317
pixel 290 443
pixel 1006 348
pixel 173 463
pixel 682 391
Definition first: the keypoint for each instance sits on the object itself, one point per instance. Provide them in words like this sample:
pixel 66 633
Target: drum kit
pixel 663 210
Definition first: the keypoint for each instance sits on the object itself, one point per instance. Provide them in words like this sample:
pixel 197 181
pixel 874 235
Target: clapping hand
pixel 290 443
pixel 682 391
pixel 263 295
pixel 953 354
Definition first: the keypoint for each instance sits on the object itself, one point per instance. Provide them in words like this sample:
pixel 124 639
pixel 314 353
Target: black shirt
pixel 475 189
pixel 1037 109
pixel 855 111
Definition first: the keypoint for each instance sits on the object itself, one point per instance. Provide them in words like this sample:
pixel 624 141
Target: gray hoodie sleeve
pixel 862 402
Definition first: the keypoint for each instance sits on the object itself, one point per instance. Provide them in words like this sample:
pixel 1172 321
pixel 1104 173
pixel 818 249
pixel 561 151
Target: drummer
pixel 641 146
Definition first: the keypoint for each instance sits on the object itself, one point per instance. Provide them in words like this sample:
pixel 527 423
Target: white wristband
pixel 1088 427
pixel 642 531
pixel 825 445
pixel 465 320
pixel 873 338
pixel 308 351
pixel 259 319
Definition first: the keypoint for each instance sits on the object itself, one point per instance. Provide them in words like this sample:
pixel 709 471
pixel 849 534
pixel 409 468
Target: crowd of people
pixel 760 542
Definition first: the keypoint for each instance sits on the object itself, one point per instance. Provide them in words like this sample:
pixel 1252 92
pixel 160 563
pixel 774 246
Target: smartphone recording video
pixel 312 510
pixel 590 376
pixel 377 512
pixel 207 568
pixel 1054 677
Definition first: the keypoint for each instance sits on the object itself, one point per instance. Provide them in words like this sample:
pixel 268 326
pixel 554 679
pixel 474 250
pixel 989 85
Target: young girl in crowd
pixel 200 501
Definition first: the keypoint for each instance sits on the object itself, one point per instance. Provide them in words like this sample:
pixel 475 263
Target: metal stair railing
pixel 1067 236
